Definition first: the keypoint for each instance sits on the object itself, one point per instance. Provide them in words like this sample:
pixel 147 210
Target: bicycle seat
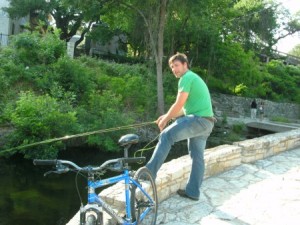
pixel 128 139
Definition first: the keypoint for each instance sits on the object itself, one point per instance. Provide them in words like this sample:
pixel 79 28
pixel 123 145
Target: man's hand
pixel 174 111
pixel 162 122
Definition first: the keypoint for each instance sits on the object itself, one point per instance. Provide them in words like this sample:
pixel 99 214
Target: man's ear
pixel 185 65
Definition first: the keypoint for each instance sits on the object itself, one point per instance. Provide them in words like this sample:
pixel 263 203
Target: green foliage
pixel 104 110
pixel 101 33
pixel 240 89
pixel 33 48
pixel 170 88
pixel 73 76
pixel 69 17
pixel 283 81
pixel 280 119
pixel 36 118
pixel 61 96
pixel 232 137
pixel 65 96
pixel 224 120
pixel 295 51
pixel 133 83
pixel 238 128
pixel 236 67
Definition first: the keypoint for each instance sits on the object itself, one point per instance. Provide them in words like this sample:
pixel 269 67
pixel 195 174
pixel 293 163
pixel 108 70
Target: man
pixel 193 103
pixel 253 109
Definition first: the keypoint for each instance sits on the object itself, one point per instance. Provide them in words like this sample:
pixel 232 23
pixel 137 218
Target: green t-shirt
pixel 199 101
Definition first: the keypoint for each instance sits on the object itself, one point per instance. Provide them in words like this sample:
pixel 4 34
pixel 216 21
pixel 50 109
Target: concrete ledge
pixel 262 147
pixel 221 158
pixel 174 174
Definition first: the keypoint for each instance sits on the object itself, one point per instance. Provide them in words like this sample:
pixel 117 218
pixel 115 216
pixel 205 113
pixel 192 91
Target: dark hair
pixel 180 57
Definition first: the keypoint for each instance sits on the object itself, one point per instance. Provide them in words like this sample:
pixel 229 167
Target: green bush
pixel 283 81
pixel 238 128
pixel 104 110
pixel 233 137
pixel 74 77
pixel 135 84
pixel 33 48
pixel 36 118
pixel 280 119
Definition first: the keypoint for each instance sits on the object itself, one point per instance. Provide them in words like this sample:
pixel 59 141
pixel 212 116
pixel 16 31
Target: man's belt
pixel 211 119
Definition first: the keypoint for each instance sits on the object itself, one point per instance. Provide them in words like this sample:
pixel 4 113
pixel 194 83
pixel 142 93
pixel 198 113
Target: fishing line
pixel 141 151
pixel 77 135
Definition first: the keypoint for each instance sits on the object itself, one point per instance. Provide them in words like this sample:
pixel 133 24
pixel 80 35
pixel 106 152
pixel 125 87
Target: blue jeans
pixel 196 130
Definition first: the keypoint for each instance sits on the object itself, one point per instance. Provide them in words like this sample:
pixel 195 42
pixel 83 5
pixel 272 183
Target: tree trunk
pixel 159 58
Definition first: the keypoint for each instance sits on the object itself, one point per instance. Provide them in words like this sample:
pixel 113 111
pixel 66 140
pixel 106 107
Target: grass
pixel 280 119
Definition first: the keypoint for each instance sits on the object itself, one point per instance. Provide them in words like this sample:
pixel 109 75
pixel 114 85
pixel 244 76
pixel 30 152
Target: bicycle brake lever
pixel 60 171
pixel 47 173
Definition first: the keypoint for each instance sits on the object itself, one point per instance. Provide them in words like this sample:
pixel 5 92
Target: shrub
pixel 280 119
pixel 33 48
pixel 74 76
pixel 36 118
pixel 238 128
pixel 104 110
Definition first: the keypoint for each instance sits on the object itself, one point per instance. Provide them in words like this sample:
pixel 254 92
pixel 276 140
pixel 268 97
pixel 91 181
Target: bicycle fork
pixel 92 208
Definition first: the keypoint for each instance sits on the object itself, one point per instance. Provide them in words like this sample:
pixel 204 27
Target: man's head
pixel 179 64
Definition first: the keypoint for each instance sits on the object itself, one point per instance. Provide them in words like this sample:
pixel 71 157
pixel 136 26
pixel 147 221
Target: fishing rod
pixel 67 137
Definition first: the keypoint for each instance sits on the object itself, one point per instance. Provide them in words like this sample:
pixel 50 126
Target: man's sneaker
pixel 182 193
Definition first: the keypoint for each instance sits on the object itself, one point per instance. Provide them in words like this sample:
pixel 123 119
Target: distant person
pixel 194 123
pixel 253 109
pixel 261 110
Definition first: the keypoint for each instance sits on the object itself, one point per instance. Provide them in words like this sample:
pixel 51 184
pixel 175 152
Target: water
pixel 29 198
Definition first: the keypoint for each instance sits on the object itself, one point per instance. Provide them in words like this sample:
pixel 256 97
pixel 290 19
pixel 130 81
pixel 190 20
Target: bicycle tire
pixel 139 202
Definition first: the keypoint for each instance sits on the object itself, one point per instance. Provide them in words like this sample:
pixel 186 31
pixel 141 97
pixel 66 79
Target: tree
pixel 154 16
pixel 295 51
pixel 290 24
pixel 65 15
pixel 148 18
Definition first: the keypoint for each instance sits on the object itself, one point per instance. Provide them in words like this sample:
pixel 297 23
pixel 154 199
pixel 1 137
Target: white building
pixel 9 26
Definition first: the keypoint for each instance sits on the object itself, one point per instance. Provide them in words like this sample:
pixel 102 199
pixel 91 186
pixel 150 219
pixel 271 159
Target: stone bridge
pixel 273 127
pixel 217 160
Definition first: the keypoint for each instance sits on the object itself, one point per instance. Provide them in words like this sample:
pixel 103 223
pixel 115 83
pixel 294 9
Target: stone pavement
pixel 265 192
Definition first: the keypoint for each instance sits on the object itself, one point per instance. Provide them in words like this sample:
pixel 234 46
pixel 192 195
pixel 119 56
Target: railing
pixel 4 39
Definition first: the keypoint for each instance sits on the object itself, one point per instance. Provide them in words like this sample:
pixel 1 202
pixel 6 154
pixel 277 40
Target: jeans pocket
pixel 206 124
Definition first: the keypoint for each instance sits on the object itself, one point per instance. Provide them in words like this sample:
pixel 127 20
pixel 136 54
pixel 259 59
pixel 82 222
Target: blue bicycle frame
pixel 94 198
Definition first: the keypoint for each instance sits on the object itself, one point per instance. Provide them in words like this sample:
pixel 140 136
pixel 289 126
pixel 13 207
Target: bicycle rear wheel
pixel 144 208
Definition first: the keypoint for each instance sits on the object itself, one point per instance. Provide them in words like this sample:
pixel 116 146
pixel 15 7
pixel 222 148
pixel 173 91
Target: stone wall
pixel 171 177
pixel 222 158
pixel 240 107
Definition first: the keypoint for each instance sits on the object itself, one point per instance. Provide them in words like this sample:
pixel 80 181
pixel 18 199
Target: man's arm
pixel 180 113
pixel 174 111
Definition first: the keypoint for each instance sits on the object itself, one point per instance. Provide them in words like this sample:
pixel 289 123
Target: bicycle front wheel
pixel 143 207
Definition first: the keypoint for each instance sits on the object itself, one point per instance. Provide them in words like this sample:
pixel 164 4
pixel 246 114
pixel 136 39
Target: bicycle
pixel 140 189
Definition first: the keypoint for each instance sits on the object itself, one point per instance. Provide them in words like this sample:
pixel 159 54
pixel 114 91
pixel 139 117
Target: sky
pixel 287 44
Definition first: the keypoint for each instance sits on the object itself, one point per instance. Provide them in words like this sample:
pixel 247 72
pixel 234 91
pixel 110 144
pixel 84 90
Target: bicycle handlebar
pixel 58 162
pixel 41 162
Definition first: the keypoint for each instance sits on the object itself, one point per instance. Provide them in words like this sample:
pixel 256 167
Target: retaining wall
pixel 174 174
pixel 235 106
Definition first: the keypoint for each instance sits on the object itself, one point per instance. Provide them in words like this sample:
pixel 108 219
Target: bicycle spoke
pixel 143 207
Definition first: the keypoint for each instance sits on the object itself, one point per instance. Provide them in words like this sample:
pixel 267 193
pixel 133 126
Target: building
pixel 9 26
